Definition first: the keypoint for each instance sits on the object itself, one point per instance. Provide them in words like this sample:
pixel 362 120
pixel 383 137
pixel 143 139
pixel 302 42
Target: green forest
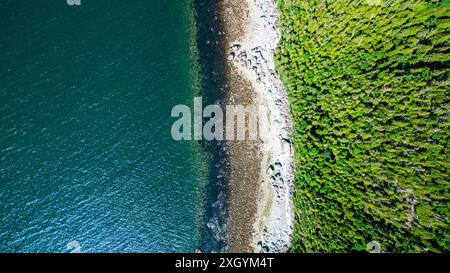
pixel 368 84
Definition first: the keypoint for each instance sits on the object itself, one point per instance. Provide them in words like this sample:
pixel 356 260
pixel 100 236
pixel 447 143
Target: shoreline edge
pixel 252 55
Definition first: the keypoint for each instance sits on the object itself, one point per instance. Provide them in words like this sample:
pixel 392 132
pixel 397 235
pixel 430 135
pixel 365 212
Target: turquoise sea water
pixel 85 148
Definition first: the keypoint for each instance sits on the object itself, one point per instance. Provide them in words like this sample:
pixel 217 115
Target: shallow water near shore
pixel 85 148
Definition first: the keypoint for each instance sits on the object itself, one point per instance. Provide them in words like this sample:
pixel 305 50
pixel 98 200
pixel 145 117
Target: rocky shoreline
pixel 251 37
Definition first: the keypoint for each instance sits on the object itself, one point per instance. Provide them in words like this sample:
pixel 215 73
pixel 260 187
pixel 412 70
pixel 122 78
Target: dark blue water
pixel 85 148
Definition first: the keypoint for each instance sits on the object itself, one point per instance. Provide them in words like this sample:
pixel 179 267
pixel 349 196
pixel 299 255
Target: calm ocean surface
pixel 85 148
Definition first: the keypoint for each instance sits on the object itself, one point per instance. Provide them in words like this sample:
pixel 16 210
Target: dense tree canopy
pixel 368 83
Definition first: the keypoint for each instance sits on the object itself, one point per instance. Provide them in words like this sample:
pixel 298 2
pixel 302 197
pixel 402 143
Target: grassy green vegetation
pixel 368 83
